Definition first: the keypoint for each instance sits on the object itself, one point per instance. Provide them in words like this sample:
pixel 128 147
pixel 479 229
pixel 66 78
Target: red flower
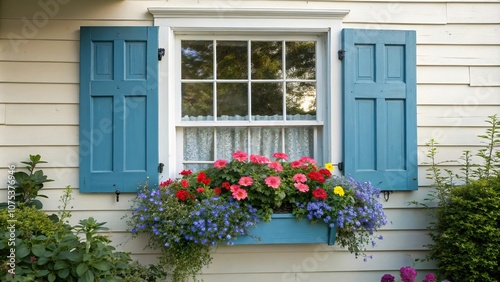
pixel 226 185
pixel 184 183
pixel 200 190
pixel 319 194
pixel 167 182
pixel 325 172
pixel 206 181
pixel 217 191
pixel 314 175
pixel 201 177
pixel 182 195
pixel 186 172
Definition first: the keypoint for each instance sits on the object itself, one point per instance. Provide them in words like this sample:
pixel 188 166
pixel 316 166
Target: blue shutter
pixel 118 108
pixel 379 105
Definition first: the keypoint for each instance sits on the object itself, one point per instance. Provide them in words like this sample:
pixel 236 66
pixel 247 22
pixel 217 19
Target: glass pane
pixel 230 140
pixel 301 99
pixel 197 59
pixel 197 167
pixel 267 100
pixel 266 140
pixel 300 60
pixel 197 100
pixel 267 60
pixel 232 59
pixel 232 99
pixel 198 144
pixel 299 142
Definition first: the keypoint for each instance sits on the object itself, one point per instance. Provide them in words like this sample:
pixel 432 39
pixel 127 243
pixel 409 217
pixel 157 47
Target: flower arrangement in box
pixel 189 216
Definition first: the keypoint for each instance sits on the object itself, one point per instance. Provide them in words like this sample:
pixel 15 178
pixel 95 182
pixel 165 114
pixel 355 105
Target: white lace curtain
pixel 206 144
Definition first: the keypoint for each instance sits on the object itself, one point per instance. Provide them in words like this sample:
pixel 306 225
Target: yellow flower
pixel 338 190
pixel 329 166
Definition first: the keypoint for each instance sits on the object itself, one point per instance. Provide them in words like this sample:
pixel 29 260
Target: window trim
pixel 176 21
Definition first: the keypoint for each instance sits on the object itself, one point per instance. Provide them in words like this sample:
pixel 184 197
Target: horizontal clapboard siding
pixel 458 86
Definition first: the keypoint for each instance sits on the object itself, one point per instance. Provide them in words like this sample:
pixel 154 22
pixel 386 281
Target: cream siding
pixel 458 57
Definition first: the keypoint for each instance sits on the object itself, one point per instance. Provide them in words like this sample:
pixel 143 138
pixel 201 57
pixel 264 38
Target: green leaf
pixel 63 273
pixel 42 273
pixel 69 256
pixel 22 251
pixel 102 266
pixel 81 269
pixel 52 277
pixel 87 277
pixel 60 264
pixel 38 250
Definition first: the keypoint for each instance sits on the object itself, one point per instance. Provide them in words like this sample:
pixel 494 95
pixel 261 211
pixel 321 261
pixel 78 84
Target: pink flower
pixel 308 160
pixel 280 156
pixel 259 159
pixel 240 156
pixel 299 177
pixel 240 194
pixel 387 278
pixel 430 277
pixel 296 164
pixel 408 274
pixel 200 190
pixel 245 181
pixel 301 187
pixel 234 188
pixel 220 163
pixel 273 181
pixel 276 166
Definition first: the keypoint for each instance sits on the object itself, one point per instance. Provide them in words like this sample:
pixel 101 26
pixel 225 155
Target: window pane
pixel 197 100
pixel 301 99
pixel 232 99
pixel 267 60
pixel 197 59
pixel 230 140
pixel 266 140
pixel 198 144
pixel 300 60
pixel 299 142
pixel 232 59
pixel 267 101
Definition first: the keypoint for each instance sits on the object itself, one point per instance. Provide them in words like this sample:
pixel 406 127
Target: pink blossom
pixel 430 277
pixel 408 274
pixel 301 187
pixel 273 181
pixel 276 166
pixel 220 163
pixel 245 181
pixel 296 164
pixel 308 160
pixel 259 159
pixel 299 177
pixel 234 187
pixel 240 156
pixel 280 156
pixel 240 194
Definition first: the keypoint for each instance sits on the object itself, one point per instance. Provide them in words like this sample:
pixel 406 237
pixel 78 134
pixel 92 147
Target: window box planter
pixel 287 229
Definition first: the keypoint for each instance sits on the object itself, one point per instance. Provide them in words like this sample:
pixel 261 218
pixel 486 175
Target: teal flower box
pixel 287 229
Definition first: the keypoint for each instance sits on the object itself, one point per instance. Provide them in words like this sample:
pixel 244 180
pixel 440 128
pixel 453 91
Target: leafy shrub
pixel 466 230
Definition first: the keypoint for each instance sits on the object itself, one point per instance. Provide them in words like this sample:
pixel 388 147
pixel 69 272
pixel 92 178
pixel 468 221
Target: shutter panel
pixel 379 104
pixel 118 108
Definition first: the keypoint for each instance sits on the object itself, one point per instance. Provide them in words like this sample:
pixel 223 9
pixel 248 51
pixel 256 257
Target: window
pixel 257 94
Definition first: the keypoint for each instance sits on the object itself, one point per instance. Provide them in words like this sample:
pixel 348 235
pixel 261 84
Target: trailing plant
pixel 189 216
pixel 465 228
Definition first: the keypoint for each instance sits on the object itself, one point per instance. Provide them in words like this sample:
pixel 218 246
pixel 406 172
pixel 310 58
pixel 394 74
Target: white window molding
pixel 174 21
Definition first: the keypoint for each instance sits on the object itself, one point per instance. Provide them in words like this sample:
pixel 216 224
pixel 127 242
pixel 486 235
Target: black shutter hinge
pixel 341 54
pixel 161 53
pixel 160 167
pixel 340 166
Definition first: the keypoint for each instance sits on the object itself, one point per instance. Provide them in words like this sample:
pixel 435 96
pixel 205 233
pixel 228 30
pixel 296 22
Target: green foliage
pixel 466 230
pixel 27 185
pixel 47 250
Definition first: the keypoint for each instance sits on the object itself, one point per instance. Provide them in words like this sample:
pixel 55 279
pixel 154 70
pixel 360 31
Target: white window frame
pixel 174 22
